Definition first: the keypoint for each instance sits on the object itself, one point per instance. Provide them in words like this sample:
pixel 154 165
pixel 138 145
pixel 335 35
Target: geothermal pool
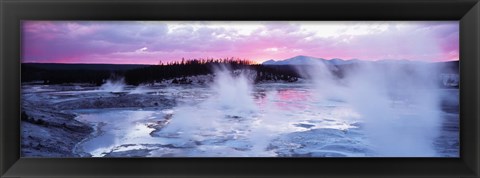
pixel 269 126
pixel 234 119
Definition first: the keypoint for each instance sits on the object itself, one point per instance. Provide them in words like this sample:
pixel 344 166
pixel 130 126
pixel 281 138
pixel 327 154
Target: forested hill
pixel 141 74
pixel 138 74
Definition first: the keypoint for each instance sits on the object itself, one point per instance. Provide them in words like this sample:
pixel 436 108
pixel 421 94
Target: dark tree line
pixel 97 74
pixel 276 73
pixel 229 61
pixel 176 70
pixel 47 76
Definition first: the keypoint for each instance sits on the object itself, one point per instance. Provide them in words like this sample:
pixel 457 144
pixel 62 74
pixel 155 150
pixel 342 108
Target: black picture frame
pixel 13 11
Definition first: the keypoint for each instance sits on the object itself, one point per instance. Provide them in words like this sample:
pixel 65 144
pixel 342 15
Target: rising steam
pixel 114 86
pixel 398 103
pixel 231 101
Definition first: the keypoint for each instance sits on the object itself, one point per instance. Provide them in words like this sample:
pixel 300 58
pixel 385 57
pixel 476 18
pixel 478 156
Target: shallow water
pixel 281 120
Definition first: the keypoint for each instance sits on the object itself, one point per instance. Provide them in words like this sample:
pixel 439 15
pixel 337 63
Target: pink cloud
pixel 119 42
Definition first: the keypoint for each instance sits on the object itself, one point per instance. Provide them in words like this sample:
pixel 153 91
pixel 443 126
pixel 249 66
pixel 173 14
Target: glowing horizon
pixel 149 42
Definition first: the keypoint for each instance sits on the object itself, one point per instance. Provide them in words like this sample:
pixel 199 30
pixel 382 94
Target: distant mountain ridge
pixel 308 60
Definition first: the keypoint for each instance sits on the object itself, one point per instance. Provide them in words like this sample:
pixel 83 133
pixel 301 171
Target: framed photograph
pixel 240 89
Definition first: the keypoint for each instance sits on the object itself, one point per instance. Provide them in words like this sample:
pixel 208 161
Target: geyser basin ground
pixel 275 119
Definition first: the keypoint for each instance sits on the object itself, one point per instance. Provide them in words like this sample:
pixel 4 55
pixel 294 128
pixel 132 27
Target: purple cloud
pixel 149 42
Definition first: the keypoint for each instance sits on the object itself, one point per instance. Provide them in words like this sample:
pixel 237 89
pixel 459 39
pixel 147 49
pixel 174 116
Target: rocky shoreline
pixel 41 130
pixel 48 120
pixel 54 125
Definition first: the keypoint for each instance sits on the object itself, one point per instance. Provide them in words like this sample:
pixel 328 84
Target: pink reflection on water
pixel 287 99
pixel 293 99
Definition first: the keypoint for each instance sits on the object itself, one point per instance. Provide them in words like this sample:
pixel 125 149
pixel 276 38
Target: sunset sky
pixel 148 42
